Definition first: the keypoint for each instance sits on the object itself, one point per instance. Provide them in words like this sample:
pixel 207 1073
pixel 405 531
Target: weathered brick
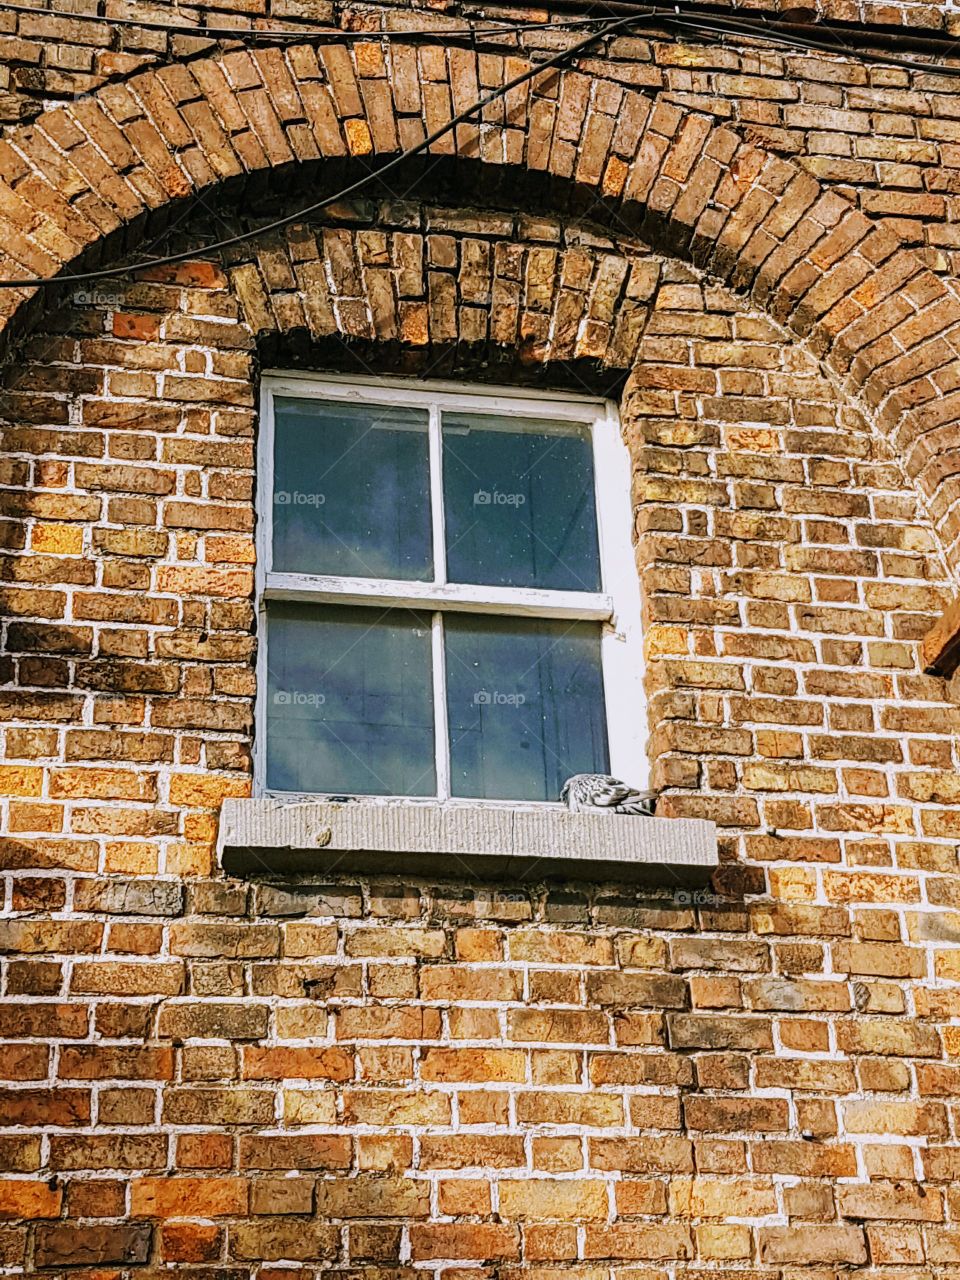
pixel 812 1244
pixel 93 1244
pixel 188 1197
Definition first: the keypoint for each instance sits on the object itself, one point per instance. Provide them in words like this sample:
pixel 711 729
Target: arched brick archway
pixel 495 302
pixel 886 326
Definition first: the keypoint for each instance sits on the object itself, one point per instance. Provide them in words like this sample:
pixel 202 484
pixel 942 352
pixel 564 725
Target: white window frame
pixel 616 605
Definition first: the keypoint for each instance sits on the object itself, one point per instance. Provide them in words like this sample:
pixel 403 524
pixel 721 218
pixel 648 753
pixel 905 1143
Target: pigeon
pixel 600 793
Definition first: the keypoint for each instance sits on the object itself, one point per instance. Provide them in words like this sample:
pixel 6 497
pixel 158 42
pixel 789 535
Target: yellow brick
pixel 369 59
pixel 723 1241
pixel 665 640
pixel 229 550
pixel 205 792
pixel 200 827
pixel 309 1106
pixel 133 858
pixel 753 439
pixel 191 859
pixel 777 743
pixel 358 137
pixel 793 884
pixel 865 886
pixel 102 784
pixel 615 176
pixel 720 1198
pixel 20 780
pixel 57 539
pixel 542 1198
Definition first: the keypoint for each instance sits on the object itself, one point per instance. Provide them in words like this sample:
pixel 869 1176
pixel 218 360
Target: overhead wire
pixel 299 34
pixel 670 16
pixel 667 15
pixel 756 31
pixel 367 179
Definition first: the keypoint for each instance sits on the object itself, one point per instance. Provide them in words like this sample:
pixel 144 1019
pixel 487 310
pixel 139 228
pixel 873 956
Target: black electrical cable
pixel 299 34
pixel 347 191
pixel 753 31
pixel 701 18
pixel 666 16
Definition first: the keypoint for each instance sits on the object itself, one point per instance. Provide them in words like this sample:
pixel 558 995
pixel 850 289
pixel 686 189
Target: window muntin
pixel 466 629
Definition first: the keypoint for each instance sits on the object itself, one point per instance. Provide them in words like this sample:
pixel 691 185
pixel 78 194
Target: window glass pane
pixel 349 701
pixel 519 503
pixel 351 492
pixel 525 699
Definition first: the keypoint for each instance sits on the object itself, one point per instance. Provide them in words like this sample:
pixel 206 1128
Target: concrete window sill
pixel 490 841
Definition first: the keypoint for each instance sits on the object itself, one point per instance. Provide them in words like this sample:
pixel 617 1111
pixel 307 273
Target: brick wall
pixel 389 1080
pixel 885 136
pixel 55 53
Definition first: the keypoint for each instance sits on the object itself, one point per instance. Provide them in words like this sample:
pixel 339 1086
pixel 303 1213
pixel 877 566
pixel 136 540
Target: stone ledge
pixel 489 841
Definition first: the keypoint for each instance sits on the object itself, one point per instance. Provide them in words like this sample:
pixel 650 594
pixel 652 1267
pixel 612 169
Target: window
pixel 448 601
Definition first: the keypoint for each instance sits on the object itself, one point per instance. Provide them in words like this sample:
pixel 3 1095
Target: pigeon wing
pixel 609 790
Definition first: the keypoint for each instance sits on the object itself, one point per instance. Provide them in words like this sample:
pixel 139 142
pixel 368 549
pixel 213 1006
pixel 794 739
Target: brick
pixel 664 1154
pixel 479 1242
pixel 805 1245
pixel 396 942
pixel 272 1239
pixel 303 1151
pixel 561 1025
pixel 719 1115
pixel 186 1242
pixel 218 1106
pixel 25 1198
pixel 469 1151
pixel 109 1062
pixel 889 1036
pixel 716 1198
pixel 905 1118
pixel 61 1107
pixel 597 1110
pixel 32 937
pixel 373 1197
pixel 473 1065
pixel 291 1063
pixel 643 1242
pixel 789 573
pixel 453 983
pixel 128 978
pixel 637 989
pixel 91 1244
pixel 900 1201
pixel 566 1200
pixel 716 1032
pixel 241 1021
pixel 540 947
pixel 188 1197
pixel 387 1107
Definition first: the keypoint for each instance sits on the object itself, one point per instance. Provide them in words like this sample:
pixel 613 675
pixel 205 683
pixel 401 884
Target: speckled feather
pixel 601 793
